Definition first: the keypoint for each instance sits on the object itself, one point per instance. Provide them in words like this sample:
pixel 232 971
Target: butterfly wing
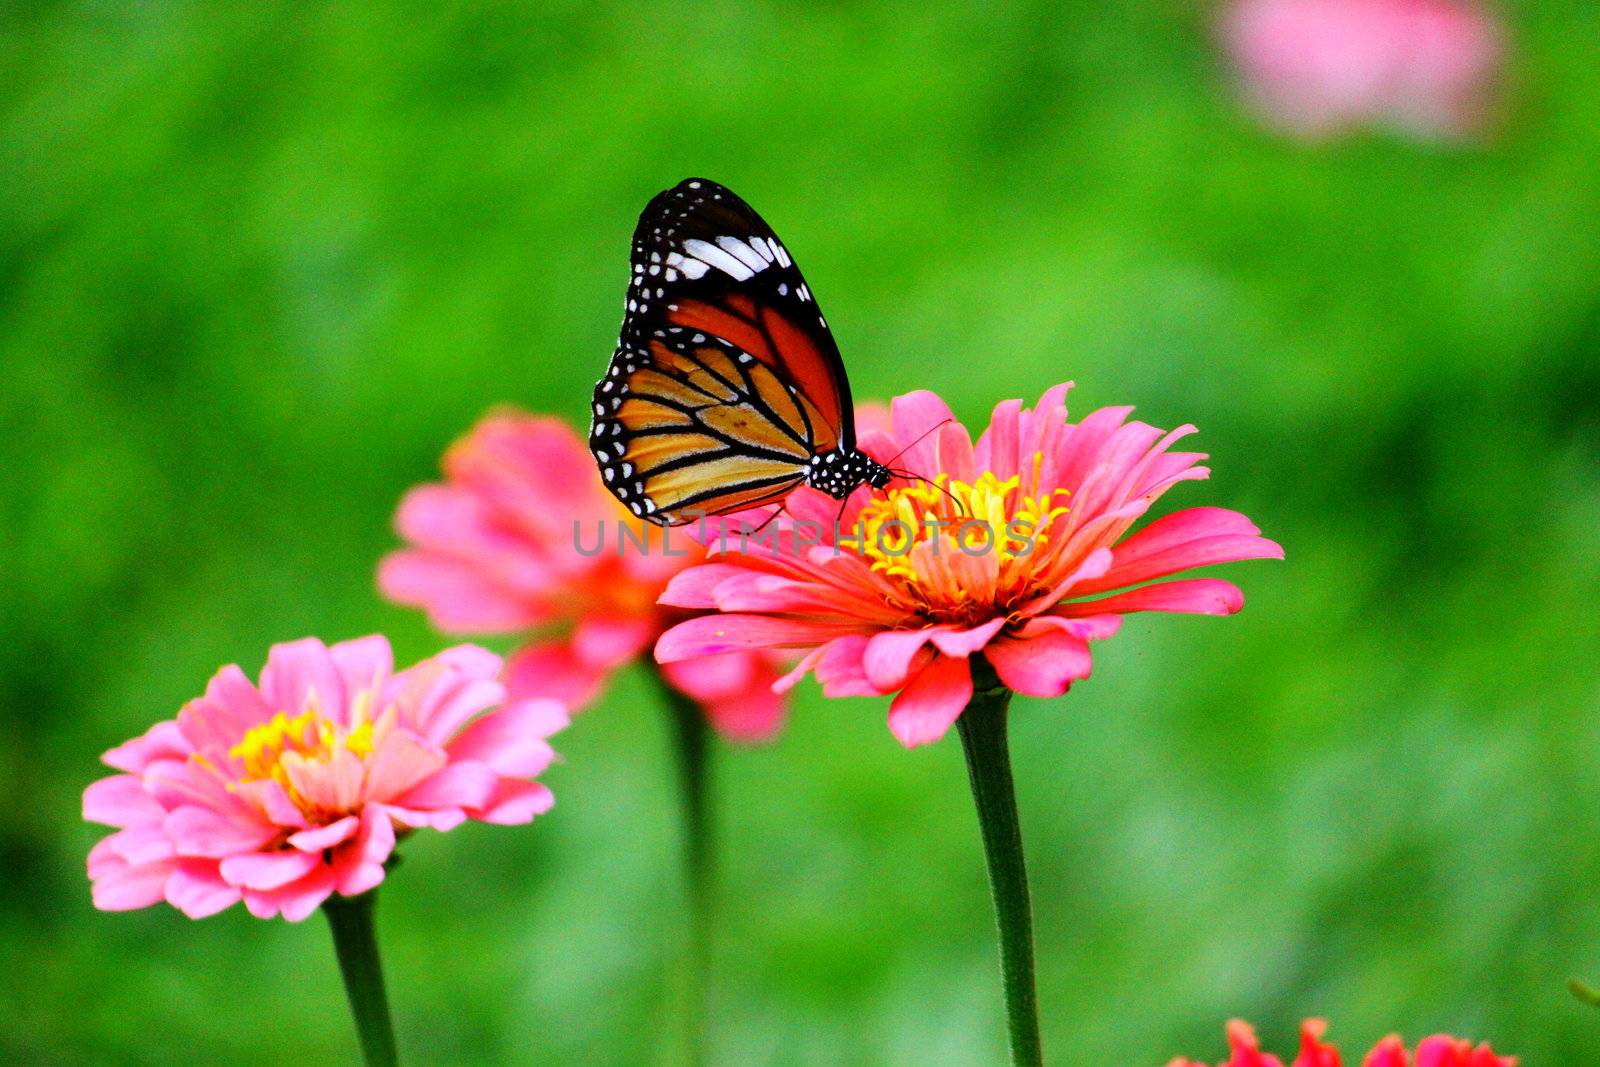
pixel 725 381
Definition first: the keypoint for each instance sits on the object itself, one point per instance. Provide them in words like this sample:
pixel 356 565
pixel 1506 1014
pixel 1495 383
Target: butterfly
pixel 726 390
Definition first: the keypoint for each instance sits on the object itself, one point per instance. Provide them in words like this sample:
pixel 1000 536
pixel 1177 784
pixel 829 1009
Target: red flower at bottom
pixel 1438 1051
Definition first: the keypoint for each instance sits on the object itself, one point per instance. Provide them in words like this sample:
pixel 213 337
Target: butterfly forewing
pixel 726 381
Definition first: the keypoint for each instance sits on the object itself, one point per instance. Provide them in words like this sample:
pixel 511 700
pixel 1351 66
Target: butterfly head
pixel 840 473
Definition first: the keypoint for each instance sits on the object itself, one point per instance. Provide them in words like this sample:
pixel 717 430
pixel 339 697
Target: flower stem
pixel 355 942
pixel 983 738
pixel 692 740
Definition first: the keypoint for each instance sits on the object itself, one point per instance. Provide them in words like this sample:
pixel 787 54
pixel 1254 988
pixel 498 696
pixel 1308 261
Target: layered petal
pixel 712 635
pixel 1044 665
pixel 1318 68
pixel 282 810
pixel 1020 547
pixel 522 536
pixel 738 691
pixel 931 702
pixel 1437 1051
pixel 511 742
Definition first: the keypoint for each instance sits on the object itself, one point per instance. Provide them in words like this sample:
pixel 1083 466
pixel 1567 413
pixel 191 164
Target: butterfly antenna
pixel 920 437
pixel 839 518
pixel 770 518
pixel 960 508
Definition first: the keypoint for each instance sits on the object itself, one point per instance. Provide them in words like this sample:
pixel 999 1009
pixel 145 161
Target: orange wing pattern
pixel 771 338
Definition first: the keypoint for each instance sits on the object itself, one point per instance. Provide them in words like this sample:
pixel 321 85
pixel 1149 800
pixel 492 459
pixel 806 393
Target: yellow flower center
pixel 269 749
pixel 985 516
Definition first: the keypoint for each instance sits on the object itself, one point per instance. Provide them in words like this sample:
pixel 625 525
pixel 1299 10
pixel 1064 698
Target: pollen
pixel 269 749
pixel 987 516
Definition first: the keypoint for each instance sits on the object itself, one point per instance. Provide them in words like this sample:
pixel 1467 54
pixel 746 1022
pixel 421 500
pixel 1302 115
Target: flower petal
pixel 358 864
pixel 755 714
pixel 438 696
pixel 511 741
pixel 458 597
pixel 297 671
pixel 400 762
pixel 141 845
pixel 696 587
pixel 803 667
pixel 610 641
pixel 1198 596
pixel 163 741
pixel 738 691
pixel 552 670
pixel 1197 537
pixel 517 802
pixel 441 819
pixel 120 800
pixel 195 888
pixel 295 901
pixel 890 656
pixel 1442 1050
pixel 965 642
pixel 711 635
pixel 333 784
pixel 467 784
pixel 273 801
pixel 122 887
pixel 931 702
pixel 841 670
pixel 930 437
pixel 1042 666
pixel 1390 1052
pixel 268 870
pixel 363 663
pixel 197 831
pixel 709 677
pixel 1314 1052
pixel 321 837
pixel 1088 627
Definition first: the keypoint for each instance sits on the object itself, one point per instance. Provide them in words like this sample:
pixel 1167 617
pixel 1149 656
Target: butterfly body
pixel 840 473
pixel 726 390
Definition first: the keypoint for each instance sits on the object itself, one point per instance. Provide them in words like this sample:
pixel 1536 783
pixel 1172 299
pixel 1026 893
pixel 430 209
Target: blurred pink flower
pixel 1437 1051
pixel 1320 67
pixel 285 792
pixel 890 603
pixel 510 543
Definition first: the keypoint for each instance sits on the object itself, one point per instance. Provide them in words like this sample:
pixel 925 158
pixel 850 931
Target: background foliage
pixel 260 263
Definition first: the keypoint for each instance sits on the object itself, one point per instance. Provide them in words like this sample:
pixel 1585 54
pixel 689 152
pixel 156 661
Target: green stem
pixel 983 738
pixel 692 742
pixel 355 942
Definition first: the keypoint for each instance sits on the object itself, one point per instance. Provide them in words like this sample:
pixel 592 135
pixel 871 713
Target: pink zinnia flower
pixel 284 792
pixel 1318 67
pixel 894 604
pixel 511 543
pixel 1437 1051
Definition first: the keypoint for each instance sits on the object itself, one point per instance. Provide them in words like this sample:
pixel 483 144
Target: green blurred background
pixel 260 264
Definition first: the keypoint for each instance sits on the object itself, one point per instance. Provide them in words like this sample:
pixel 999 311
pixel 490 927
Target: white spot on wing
pixel 692 268
pixel 713 256
pixel 743 252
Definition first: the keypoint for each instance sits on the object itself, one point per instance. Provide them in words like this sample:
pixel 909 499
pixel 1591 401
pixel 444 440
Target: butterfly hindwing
pixel 726 382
